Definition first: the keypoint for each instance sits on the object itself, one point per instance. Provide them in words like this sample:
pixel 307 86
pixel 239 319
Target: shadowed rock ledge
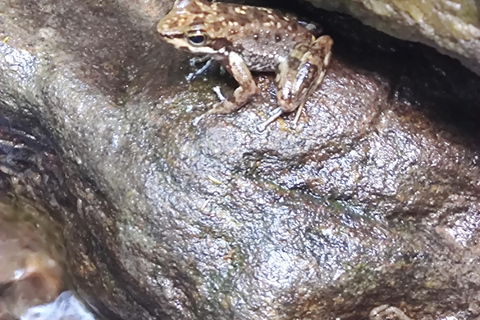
pixel 372 201
pixel 453 27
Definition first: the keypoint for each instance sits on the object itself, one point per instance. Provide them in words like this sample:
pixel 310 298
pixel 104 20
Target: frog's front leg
pixel 235 65
pixel 299 75
pixel 208 63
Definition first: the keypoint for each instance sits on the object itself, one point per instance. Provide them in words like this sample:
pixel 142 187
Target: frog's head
pixel 192 26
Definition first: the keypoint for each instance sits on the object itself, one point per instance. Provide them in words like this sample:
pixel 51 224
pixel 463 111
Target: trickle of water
pixel 65 307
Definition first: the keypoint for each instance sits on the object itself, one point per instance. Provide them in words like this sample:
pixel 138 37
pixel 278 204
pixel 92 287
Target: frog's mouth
pixel 166 32
pixel 174 38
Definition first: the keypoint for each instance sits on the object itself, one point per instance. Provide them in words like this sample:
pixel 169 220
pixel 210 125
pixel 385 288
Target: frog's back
pixel 262 36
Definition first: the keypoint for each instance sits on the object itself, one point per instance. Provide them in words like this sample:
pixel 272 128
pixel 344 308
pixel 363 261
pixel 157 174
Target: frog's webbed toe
pixel 220 108
pixel 219 93
pixel 274 114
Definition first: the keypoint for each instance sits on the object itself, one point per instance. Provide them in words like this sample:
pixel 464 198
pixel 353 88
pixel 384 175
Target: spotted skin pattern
pixel 245 38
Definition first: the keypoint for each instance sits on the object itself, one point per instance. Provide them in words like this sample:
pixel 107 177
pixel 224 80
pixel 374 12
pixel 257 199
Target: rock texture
pixel 370 207
pixel 452 27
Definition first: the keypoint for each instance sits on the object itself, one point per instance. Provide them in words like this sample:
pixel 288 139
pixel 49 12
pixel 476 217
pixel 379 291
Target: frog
pixel 246 39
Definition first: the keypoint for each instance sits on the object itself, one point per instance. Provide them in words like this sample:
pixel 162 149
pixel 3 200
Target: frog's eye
pixel 196 38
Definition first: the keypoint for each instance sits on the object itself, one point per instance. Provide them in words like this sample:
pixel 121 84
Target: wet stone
pixel 369 208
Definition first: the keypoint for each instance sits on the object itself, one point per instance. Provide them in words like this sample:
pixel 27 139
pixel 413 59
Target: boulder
pixel 369 207
pixel 452 27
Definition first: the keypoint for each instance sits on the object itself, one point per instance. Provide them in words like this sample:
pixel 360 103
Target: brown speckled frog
pixel 243 39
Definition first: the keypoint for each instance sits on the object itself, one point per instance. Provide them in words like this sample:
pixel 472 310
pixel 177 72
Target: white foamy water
pixel 65 307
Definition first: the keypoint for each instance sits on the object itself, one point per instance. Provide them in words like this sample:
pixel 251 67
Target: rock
pixel 452 27
pixel 368 208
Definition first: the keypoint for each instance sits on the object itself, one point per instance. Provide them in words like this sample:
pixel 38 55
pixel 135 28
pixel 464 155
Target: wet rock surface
pixel 370 205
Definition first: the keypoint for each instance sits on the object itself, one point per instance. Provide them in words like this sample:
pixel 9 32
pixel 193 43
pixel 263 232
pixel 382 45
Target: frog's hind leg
pixel 302 73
